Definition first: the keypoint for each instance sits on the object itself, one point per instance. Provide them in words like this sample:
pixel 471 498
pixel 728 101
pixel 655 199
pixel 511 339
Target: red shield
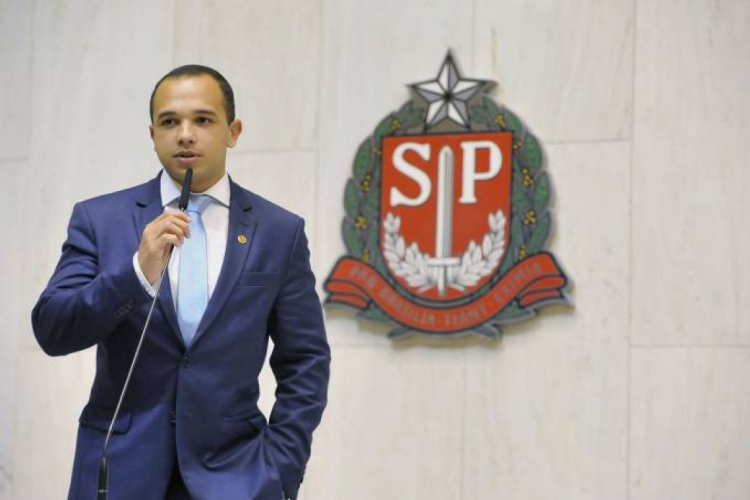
pixel 445 211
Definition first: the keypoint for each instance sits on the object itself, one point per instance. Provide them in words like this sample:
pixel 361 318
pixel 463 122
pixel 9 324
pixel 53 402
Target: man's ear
pixel 235 129
pixel 151 131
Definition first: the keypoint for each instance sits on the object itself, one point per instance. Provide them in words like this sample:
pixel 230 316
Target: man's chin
pixel 177 172
pixel 202 179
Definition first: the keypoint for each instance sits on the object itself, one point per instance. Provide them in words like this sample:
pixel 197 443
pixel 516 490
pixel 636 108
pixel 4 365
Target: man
pixel 240 273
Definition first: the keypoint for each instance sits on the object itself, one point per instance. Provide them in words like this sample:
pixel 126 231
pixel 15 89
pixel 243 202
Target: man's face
pixel 190 129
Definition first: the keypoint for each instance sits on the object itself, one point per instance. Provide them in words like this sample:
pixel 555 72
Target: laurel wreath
pixel 530 220
pixel 477 261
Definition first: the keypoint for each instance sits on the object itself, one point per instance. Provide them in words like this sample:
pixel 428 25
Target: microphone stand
pixel 102 489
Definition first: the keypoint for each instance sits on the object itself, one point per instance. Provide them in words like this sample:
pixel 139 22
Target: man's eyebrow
pixel 165 114
pixel 199 112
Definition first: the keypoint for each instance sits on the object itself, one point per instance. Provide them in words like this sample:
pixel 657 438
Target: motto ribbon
pixel 533 280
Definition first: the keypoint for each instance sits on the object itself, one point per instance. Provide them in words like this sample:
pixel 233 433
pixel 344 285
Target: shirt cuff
pixel 144 282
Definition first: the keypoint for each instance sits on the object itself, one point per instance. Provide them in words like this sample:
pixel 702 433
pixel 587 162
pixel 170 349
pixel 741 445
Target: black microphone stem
pixel 103 482
pixel 102 490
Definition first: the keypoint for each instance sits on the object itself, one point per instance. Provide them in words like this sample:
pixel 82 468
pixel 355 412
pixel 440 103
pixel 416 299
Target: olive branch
pixel 477 261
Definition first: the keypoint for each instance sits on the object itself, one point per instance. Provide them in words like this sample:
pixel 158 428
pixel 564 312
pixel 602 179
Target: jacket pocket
pixel 256 420
pixel 252 278
pixel 100 418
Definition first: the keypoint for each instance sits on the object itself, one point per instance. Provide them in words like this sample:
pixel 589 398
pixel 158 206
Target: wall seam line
pixel 629 368
pixel 318 135
pixel 465 346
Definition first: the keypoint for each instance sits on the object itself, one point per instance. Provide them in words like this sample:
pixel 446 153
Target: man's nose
pixel 186 135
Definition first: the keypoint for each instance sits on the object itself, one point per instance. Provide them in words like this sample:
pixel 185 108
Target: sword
pixel 444 229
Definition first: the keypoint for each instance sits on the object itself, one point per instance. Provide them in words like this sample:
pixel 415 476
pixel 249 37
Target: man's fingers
pixel 173 213
pixel 170 225
pixel 177 227
pixel 168 229
pixel 173 216
pixel 180 218
pixel 170 239
pixel 184 225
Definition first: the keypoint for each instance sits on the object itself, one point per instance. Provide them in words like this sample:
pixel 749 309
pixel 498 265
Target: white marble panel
pixel 566 66
pixel 94 64
pixel 371 51
pixel 16 19
pixel 51 395
pixel 691 228
pixel 267 385
pixel 546 408
pixel 30 271
pixel 689 434
pixel 392 428
pixel 6 485
pixel 269 53
pixel 14 318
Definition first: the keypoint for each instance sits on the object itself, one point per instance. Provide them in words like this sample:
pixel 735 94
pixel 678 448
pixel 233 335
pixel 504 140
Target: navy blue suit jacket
pixel 197 405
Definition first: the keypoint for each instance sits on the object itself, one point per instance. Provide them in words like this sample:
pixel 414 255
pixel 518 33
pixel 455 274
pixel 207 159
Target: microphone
pixel 185 196
pixel 102 487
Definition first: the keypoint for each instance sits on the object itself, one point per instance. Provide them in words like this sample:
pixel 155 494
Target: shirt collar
pixel 171 190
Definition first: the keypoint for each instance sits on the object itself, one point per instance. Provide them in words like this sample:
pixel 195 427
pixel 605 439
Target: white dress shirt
pixel 215 220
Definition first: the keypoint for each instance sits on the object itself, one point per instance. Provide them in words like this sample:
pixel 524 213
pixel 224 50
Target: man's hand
pixel 170 228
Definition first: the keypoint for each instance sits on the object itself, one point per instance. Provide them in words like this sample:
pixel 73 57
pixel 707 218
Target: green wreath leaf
pixel 374 313
pixel 409 116
pixel 491 106
pixel 362 160
pixel 377 263
pixel 512 311
pixel 351 198
pixel 516 230
pixel 384 128
pixel 371 206
pixel 541 193
pixel 532 154
pixel 481 114
pixel 518 196
pixel 509 259
pixel 539 234
pixel 372 237
pixel 351 239
pixel 373 244
pixel 513 123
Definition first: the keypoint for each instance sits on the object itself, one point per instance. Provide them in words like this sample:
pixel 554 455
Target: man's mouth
pixel 186 156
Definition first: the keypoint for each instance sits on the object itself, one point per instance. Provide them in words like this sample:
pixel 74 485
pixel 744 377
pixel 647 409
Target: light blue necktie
pixel 192 284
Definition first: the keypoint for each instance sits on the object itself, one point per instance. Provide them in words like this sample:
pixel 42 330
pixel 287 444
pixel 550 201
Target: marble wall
pixel 639 393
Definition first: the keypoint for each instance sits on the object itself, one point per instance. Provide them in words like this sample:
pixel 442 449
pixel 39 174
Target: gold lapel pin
pixel 241 238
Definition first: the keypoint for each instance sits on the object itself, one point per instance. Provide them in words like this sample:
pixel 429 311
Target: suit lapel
pixel 239 240
pixel 149 207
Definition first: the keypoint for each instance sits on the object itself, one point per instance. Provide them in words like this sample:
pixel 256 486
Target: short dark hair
pixel 198 70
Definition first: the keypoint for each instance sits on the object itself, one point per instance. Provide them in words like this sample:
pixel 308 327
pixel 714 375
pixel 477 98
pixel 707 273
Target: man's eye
pixel 203 120
pixel 168 122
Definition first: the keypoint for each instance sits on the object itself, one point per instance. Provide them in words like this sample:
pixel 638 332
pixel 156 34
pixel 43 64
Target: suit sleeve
pixel 300 362
pixel 82 305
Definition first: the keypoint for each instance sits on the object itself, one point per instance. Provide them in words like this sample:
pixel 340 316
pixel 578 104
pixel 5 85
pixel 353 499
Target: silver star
pixel 448 94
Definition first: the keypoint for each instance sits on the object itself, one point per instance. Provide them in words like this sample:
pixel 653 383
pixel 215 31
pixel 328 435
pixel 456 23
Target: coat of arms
pixel 447 215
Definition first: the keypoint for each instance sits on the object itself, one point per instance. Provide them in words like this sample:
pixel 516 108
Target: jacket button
pixel 185 362
pixel 172 417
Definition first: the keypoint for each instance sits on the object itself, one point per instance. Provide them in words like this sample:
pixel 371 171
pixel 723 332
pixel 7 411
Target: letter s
pixel 412 172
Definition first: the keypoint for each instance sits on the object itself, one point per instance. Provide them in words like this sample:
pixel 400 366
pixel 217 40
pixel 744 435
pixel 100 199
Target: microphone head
pixel 185 196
